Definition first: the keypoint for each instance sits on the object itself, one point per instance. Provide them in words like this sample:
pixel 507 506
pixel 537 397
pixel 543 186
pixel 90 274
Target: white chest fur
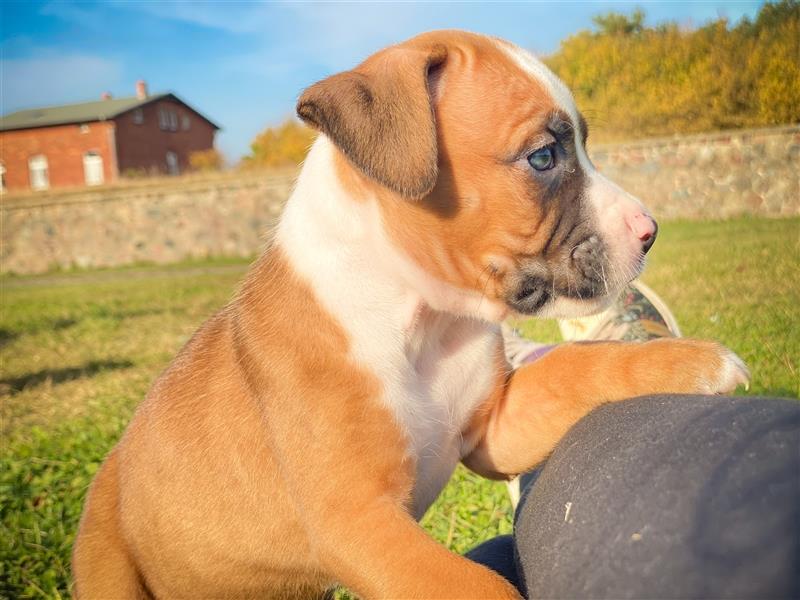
pixel 435 367
pixel 450 374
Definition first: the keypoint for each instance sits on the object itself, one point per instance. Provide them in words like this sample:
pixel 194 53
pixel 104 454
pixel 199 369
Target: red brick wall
pixel 64 147
pixel 144 147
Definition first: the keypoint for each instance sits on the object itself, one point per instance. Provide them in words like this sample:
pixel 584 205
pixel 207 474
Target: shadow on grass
pixel 63 323
pixel 7 336
pixel 141 312
pixel 14 385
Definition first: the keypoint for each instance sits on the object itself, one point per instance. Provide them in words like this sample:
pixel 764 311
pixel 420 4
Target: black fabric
pixel 665 497
pixel 498 554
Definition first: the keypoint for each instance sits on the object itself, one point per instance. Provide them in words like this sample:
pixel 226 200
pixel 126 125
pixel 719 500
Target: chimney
pixel 105 96
pixel 141 89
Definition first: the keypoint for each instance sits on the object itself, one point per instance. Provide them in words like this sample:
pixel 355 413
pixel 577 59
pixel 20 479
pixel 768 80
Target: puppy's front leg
pixel 533 407
pixel 343 460
pixel 383 553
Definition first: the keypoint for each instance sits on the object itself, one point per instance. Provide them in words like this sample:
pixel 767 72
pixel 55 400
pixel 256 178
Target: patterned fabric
pixel 537 354
pixel 633 317
pixel 520 350
pixel 639 314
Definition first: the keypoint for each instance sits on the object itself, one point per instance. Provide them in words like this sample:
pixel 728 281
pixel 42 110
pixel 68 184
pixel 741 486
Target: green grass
pixel 79 350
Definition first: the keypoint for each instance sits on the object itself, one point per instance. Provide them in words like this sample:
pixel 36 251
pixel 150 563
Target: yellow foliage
pixel 636 81
pixel 284 145
pixel 206 160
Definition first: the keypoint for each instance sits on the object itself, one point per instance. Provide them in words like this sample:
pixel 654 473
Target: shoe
pixel 638 314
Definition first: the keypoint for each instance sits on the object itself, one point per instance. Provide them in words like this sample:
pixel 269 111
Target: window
pixel 84 128
pixel 167 119
pixel 2 178
pixel 185 122
pixel 37 168
pixel 138 116
pixel 173 168
pixel 93 168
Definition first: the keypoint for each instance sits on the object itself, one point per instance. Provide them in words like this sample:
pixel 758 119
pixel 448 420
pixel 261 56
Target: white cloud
pixel 322 37
pixel 349 30
pixel 86 18
pixel 52 78
pixel 230 17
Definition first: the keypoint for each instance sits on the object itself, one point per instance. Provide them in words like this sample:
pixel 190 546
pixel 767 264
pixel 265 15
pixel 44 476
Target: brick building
pixel 95 142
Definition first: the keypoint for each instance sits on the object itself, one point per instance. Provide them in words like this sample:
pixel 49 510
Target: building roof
pixel 85 112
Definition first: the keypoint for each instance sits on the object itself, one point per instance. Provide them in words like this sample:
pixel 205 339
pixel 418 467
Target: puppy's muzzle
pixel 578 272
pixel 589 260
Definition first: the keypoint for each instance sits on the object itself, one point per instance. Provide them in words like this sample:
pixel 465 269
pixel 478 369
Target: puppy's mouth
pixel 583 276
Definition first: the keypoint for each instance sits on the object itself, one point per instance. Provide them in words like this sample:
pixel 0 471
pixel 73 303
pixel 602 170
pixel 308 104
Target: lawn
pixel 79 350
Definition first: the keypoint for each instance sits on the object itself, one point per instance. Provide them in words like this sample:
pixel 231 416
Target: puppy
pixel 300 434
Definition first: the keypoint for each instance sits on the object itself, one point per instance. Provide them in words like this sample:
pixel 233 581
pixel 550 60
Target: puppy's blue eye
pixel 542 159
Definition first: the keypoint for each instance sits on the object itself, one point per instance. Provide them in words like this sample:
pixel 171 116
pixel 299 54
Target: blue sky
pixel 243 64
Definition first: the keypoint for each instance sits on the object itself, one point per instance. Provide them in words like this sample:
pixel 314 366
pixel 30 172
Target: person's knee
pixel 668 496
pixel 498 554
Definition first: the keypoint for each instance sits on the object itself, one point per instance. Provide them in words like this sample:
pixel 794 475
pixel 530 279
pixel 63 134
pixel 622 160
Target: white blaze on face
pixel 613 207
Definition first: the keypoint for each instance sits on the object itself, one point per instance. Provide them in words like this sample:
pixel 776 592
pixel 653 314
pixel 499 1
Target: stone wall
pixel 718 176
pixel 706 176
pixel 163 223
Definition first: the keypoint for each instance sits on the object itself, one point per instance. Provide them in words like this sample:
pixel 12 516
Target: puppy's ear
pixel 380 115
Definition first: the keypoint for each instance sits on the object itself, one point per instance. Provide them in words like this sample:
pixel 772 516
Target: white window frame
pixel 2 178
pixel 173 164
pixel 163 119
pixel 138 116
pixel 87 168
pixel 167 119
pixel 38 164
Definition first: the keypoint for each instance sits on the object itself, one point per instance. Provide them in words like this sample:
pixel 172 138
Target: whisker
pixel 488 268
pixel 605 281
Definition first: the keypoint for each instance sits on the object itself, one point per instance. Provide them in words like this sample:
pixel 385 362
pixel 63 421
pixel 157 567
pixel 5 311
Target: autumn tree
pixel 206 160
pixel 637 81
pixel 280 146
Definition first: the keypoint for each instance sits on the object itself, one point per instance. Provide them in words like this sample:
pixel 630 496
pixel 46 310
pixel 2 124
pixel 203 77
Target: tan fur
pixel 261 463
pixel 319 490
pixel 449 232
pixel 534 406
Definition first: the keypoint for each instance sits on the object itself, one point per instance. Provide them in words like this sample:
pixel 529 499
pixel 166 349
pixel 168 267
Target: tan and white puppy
pixel 300 434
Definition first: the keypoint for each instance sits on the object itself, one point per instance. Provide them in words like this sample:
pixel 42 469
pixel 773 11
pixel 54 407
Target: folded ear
pixel 380 115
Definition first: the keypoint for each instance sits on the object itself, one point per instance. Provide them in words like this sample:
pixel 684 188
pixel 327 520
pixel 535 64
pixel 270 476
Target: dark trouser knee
pixel 665 497
pixel 668 497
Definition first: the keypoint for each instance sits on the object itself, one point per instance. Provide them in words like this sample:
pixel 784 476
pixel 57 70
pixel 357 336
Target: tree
pixel 206 160
pixel 281 146
pixel 616 24
pixel 636 81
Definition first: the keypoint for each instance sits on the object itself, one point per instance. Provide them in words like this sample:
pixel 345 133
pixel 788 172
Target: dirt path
pixel 83 277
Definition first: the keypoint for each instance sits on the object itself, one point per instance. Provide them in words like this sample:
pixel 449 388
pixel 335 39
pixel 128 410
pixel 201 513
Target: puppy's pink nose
pixel 644 228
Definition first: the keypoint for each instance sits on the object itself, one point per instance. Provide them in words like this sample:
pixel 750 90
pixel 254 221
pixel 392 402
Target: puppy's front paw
pixel 696 366
pixel 732 373
pixel 716 369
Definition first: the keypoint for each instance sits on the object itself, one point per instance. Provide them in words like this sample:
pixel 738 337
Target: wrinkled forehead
pixel 502 87
pixel 536 70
